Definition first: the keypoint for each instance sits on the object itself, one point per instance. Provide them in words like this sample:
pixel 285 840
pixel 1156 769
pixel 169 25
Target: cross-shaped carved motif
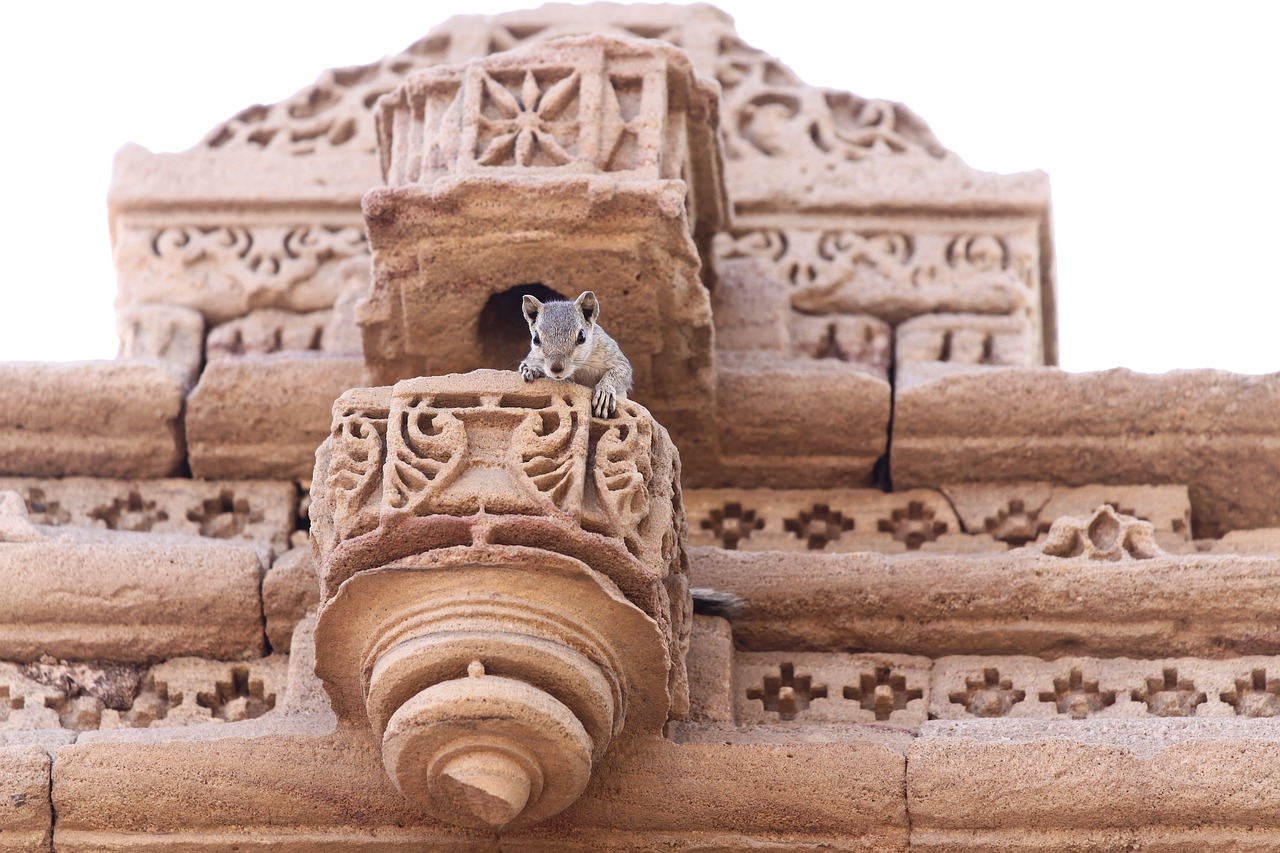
pixel 129 513
pixel 732 524
pixel 988 695
pixel 1256 696
pixel 818 526
pixel 1079 698
pixel 1015 524
pixel 883 692
pixel 1169 697
pixel 225 516
pixel 913 525
pixel 787 694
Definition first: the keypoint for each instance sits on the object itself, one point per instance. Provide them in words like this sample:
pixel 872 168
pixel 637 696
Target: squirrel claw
pixel 603 403
pixel 529 373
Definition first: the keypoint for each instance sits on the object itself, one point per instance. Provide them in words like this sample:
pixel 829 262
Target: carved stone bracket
pixel 503 586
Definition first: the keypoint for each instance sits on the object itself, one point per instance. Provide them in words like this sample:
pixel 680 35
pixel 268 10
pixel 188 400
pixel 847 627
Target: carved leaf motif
pixel 621 475
pixel 355 471
pixel 427 450
pixel 547 461
pixel 259 259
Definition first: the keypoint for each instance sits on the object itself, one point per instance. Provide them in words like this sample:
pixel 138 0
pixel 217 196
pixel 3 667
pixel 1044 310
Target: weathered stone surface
pixel 171 333
pixel 131 598
pixel 1022 512
pixel 290 590
pixel 832 520
pixel 1090 785
pixel 268 330
pixel 263 417
pixel 772 434
pixel 710 662
pixel 816 687
pixel 226 269
pixel 1019 602
pixel 1074 688
pixel 256 511
pixel 1211 430
pixel 26 813
pixel 966 341
pixel 534 143
pixel 503 587
pixel 106 418
pixel 830 790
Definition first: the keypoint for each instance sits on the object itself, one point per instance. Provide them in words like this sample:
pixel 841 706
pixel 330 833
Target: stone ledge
pixel 1094 785
pixel 843 788
pixel 104 418
pixel 771 435
pixel 131 599
pixel 262 417
pixel 26 814
pixel 1018 602
pixel 1212 430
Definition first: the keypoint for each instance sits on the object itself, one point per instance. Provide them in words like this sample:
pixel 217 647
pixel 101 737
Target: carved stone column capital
pixel 503 586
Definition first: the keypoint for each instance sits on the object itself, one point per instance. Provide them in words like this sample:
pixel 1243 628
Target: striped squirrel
pixel 568 343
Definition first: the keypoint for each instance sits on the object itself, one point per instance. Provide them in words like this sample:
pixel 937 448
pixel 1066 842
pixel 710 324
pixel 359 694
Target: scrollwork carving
pixel 355 472
pixel 264 260
pixel 892 274
pixel 426 451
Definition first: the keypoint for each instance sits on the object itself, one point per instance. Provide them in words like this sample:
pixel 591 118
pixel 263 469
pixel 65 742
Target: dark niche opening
pixel 504 334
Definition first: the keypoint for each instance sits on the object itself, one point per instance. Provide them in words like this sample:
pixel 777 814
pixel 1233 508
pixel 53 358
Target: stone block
pixel 222 267
pixel 105 418
pixel 267 330
pixel 172 333
pixel 1075 688
pixel 858 340
pixel 1017 602
pixel 963 341
pixel 262 417
pixel 26 810
pixel 832 520
pixel 710 662
pixel 750 310
pixel 254 511
pixel 1210 430
pixel 262 783
pixel 1022 512
pixel 1094 785
pixel 818 687
pixel 772 434
pixel 290 590
pixel 130 599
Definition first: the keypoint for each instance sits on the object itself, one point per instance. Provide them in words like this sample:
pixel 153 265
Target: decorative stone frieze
pixel 503 587
pixel 496 167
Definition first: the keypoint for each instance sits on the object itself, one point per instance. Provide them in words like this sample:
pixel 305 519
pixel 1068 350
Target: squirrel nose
pixel 556 367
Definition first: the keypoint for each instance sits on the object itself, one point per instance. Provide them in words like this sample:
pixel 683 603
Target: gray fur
pixel 597 362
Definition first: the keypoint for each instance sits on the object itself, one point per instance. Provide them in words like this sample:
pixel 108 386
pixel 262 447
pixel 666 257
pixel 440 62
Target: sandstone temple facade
pixel 310 567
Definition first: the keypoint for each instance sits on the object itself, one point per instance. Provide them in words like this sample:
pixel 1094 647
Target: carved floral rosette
pixel 600 104
pixel 503 583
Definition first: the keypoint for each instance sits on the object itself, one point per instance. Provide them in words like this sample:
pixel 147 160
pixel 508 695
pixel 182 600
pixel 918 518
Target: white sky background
pixel 1157 122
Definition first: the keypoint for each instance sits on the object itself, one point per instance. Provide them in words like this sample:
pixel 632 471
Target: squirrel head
pixel 562 331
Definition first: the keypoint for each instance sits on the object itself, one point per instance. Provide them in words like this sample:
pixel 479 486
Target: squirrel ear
pixel 532 308
pixel 589 306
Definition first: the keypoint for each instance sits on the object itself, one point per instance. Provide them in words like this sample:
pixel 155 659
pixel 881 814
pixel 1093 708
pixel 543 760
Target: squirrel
pixel 568 343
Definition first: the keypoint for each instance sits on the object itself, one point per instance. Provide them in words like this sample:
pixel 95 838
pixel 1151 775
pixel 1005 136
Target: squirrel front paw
pixel 604 402
pixel 529 372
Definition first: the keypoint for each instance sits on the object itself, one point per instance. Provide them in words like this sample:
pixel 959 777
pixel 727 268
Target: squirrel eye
pixel 582 337
pixel 537 341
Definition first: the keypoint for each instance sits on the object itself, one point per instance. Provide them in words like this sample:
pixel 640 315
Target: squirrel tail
pixel 716 602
